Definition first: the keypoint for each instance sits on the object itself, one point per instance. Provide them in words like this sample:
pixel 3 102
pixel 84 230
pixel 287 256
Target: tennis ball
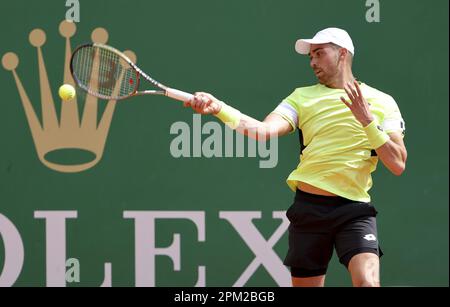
pixel 66 92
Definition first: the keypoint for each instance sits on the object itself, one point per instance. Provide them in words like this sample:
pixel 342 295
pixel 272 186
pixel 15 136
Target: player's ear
pixel 342 53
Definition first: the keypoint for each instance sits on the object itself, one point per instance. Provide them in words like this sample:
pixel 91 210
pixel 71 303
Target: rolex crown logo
pixel 66 132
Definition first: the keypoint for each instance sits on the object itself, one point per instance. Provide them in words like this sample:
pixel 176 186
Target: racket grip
pixel 178 95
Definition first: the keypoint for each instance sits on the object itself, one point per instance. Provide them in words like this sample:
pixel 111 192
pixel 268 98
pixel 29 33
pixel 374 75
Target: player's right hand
pixel 204 103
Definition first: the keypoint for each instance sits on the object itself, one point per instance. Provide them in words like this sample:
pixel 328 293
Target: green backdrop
pixel 242 52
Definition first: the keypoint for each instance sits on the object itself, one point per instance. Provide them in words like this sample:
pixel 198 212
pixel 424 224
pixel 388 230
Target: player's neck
pixel 341 80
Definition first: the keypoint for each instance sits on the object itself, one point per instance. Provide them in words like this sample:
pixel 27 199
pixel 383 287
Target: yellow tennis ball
pixel 66 92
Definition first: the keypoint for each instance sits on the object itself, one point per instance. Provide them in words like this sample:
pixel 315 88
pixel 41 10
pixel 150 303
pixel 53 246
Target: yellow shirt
pixel 337 157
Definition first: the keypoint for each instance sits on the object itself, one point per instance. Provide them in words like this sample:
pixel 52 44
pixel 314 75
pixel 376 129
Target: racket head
pixel 104 72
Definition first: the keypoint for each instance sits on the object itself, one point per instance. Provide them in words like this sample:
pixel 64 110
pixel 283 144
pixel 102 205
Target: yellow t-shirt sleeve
pixel 287 109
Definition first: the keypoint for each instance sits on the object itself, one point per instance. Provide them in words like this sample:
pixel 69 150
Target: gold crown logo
pixel 68 132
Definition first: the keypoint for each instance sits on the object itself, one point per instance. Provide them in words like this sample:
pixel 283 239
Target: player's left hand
pixel 359 106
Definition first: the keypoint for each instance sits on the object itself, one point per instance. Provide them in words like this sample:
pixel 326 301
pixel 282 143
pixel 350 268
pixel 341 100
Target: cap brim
pixel 303 46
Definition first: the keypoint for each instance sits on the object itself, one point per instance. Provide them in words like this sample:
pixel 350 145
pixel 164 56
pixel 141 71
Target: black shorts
pixel 319 223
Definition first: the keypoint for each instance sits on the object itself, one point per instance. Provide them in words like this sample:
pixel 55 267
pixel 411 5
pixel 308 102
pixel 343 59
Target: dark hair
pixel 339 47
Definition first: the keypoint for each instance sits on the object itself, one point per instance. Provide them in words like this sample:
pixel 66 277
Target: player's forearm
pixel 245 124
pixel 393 157
pixel 254 128
pixel 389 147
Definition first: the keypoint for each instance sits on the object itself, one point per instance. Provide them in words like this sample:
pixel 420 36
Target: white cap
pixel 330 35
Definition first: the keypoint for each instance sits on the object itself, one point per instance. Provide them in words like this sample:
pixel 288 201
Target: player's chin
pixel 321 79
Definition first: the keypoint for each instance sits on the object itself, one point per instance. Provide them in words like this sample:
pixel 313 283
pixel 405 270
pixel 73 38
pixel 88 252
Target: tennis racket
pixel 107 73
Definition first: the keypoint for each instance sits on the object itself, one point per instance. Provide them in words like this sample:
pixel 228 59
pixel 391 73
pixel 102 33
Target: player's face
pixel 324 60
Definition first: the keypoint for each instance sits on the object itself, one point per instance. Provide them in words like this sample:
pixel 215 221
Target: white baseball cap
pixel 330 35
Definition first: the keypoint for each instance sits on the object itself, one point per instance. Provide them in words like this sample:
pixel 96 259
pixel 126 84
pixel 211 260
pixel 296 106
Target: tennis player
pixel 346 126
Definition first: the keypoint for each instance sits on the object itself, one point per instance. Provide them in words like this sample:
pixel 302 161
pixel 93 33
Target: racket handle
pixel 178 95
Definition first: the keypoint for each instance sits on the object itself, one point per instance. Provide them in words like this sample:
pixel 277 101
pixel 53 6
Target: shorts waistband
pixel 321 199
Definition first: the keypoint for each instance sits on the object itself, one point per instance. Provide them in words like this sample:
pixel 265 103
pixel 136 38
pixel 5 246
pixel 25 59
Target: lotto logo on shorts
pixel 370 237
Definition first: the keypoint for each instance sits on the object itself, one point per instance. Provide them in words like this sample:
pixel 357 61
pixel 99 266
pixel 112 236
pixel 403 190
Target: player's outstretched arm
pixel 272 125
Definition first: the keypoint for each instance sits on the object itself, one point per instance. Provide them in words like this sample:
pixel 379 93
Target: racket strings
pixel 104 73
